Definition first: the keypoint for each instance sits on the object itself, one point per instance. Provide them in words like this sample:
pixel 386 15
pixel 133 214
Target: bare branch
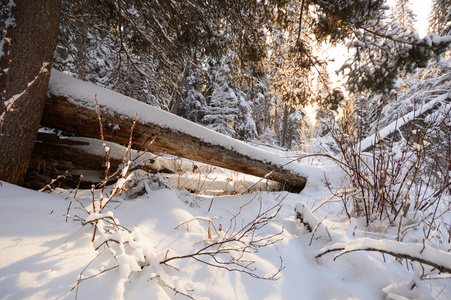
pixel 236 243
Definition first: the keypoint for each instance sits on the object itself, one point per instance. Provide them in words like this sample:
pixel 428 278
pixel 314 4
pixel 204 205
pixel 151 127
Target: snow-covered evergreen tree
pixel 228 112
pixel 245 125
pixel 298 124
pixel 440 18
pixel 93 48
pixel 193 104
pixel 403 14
pixel 263 105
pixel 222 106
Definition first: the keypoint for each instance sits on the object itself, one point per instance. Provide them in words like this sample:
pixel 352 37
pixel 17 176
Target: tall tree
pixel 155 45
pixel 31 35
pixel 227 109
pixel 403 14
pixel 440 18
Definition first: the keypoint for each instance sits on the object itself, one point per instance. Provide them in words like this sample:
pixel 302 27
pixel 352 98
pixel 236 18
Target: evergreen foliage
pixel 234 65
pixel 440 19
pixel 403 14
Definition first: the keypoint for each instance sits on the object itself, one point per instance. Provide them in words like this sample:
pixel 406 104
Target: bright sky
pixel 421 8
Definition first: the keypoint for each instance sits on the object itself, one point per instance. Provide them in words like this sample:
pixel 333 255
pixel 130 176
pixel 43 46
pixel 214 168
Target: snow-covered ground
pixel 45 252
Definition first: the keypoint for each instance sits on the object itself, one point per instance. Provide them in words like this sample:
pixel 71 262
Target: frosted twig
pixel 199 218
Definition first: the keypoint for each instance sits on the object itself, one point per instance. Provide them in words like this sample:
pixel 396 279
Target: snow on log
pixel 71 107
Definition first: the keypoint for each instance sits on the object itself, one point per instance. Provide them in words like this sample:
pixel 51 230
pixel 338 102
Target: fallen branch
pixel 441 260
pixel 176 291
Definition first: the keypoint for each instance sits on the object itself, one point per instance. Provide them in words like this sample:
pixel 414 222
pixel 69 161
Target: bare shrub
pixel 405 174
pixel 235 242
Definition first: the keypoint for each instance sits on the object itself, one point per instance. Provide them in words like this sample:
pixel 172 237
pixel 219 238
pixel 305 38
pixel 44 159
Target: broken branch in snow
pixel 176 291
pixel 441 260
pixel 403 122
pixel 80 277
pixel 310 222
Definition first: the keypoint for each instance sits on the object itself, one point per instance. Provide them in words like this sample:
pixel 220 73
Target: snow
pixel 438 40
pixel 47 252
pixel 83 93
pixel 43 255
pixel 9 104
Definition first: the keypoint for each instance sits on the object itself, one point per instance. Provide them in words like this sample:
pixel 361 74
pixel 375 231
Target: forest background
pixel 260 76
pixel 258 71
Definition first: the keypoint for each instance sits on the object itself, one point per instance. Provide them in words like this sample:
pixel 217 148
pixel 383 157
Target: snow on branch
pixel 395 125
pixel 310 222
pixel 441 260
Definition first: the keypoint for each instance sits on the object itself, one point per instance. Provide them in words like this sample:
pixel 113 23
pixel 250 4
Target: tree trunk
pixel 33 41
pixel 289 139
pixel 177 98
pixel 285 126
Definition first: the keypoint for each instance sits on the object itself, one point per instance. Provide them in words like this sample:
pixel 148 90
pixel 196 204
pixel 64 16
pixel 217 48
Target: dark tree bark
pixel 33 41
pixel 177 99
pixel 287 134
pixel 283 135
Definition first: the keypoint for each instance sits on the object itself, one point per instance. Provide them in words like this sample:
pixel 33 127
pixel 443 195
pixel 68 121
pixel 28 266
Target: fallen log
pixel 74 157
pixel 71 107
pixel 88 154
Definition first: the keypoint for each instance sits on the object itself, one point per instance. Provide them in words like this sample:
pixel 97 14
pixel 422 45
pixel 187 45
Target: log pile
pixel 63 112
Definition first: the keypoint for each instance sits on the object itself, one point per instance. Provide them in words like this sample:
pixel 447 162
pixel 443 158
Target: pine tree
pixel 263 106
pixel 222 112
pixel 245 124
pixel 440 18
pixel 193 104
pixel 151 47
pixel 228 111
pixel 296 68
pixel 404 15
pixel 147 45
